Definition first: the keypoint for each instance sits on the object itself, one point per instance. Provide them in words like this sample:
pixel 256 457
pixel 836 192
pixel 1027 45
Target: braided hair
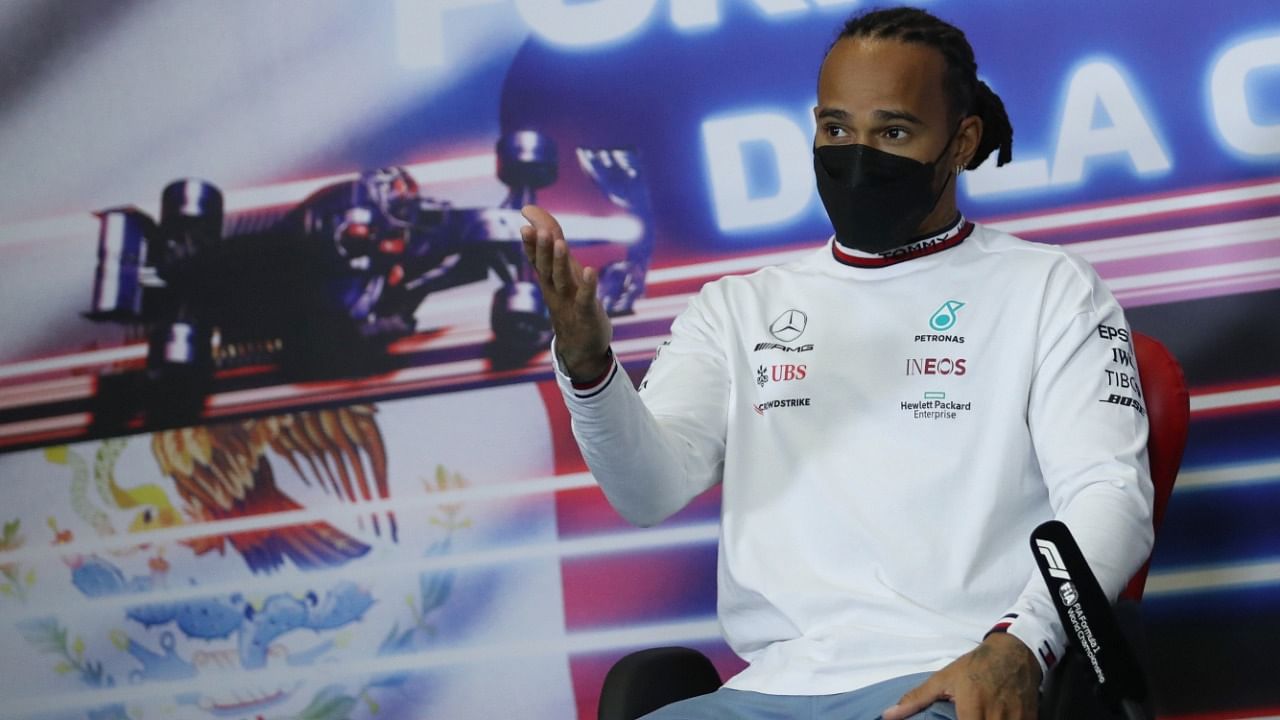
pixel 967 94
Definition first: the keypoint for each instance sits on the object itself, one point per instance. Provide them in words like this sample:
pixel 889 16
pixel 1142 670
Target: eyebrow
pixel 879 115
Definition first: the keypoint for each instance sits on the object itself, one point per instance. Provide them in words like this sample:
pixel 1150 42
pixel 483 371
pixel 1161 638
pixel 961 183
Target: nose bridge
pixel 860 169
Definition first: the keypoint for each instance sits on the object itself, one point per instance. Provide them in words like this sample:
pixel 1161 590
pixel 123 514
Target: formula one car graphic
pixel 323 288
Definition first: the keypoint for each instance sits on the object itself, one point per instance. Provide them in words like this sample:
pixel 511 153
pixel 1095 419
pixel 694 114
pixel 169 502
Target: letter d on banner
pixel 725 141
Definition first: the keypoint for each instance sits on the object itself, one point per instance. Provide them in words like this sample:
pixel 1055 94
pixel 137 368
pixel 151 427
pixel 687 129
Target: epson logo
pixel 1107 332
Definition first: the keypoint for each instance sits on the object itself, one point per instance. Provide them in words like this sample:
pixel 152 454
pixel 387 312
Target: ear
pixel 968 137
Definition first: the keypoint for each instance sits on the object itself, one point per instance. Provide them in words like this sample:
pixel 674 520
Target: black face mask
pixel 876 200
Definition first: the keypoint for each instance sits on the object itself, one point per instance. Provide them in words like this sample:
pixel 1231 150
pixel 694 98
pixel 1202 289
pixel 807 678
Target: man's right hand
pixel 582 327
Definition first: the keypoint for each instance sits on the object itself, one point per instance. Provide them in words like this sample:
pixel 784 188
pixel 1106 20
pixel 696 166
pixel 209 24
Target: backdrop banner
pixel 279 436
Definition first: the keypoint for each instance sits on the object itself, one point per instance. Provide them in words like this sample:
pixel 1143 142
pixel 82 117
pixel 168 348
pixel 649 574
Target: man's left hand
pixel 997 679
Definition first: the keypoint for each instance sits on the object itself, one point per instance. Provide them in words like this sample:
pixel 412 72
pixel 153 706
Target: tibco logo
pixel 936 366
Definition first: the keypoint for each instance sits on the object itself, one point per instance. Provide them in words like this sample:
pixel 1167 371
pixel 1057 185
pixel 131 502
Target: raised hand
pixel 582 327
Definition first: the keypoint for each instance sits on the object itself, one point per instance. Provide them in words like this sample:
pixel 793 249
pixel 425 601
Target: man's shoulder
pixel 774 268
pixel 1063 271
pixel 993 240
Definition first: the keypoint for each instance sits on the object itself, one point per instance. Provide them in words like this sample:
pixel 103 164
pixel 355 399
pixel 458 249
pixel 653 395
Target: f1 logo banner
pixel 1052 559
pixel 1086 615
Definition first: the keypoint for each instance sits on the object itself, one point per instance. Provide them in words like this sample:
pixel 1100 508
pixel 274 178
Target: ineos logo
pixel 789 325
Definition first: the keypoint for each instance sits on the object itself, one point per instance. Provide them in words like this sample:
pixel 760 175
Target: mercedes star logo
pixel 789 325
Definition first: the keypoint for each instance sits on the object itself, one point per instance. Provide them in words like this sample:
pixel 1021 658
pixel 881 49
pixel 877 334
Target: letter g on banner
pixel 584 24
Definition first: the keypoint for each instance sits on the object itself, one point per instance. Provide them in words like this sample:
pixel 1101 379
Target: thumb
pixel 914 701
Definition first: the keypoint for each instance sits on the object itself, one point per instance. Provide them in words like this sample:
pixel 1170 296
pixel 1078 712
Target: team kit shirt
pixel 888 430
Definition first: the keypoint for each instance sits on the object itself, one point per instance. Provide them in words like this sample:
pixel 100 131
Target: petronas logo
pixel 945 317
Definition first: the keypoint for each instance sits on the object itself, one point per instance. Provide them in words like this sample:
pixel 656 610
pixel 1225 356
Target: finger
pixel 542 258
pixel 914 701
pixel 529 238
pixel 586 295
pixel 542 220
pixel 561 274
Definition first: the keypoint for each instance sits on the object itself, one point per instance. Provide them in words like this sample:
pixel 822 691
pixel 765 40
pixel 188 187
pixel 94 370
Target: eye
pixel 834 131
pixel 896 133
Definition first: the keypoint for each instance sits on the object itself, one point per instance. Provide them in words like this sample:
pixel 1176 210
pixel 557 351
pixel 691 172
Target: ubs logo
pixel 780 373
pixel 789 325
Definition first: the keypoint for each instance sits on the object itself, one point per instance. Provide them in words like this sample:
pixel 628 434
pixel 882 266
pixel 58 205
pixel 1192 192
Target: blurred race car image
pixel 322 288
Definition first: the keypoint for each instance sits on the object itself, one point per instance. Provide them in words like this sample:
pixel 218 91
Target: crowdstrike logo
pixel 945 317
pixel 789 326
pixel 788 403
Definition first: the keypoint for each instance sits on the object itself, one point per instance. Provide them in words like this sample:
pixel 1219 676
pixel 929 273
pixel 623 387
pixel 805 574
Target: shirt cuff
pixel 1036 635
pixel 585 389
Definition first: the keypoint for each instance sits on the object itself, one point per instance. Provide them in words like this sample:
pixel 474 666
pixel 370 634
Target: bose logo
pixel 1057 568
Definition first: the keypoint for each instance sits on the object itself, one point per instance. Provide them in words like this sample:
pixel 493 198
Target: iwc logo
pixel 789 326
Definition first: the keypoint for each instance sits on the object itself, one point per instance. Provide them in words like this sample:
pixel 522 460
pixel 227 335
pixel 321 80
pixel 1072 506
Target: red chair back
pixel 1164 390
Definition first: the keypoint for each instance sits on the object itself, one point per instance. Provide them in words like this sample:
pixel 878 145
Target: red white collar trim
pixel 915 249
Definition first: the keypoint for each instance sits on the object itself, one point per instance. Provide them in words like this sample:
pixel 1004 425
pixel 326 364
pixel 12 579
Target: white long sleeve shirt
pixel 888 432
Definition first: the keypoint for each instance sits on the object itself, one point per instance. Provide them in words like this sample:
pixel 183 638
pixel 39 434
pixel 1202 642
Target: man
pixel 890 416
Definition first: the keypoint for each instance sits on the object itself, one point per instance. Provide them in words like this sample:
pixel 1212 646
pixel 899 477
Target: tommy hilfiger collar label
pixel 949 238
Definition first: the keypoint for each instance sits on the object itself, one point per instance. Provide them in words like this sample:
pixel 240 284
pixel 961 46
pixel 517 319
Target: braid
pixel 967 95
